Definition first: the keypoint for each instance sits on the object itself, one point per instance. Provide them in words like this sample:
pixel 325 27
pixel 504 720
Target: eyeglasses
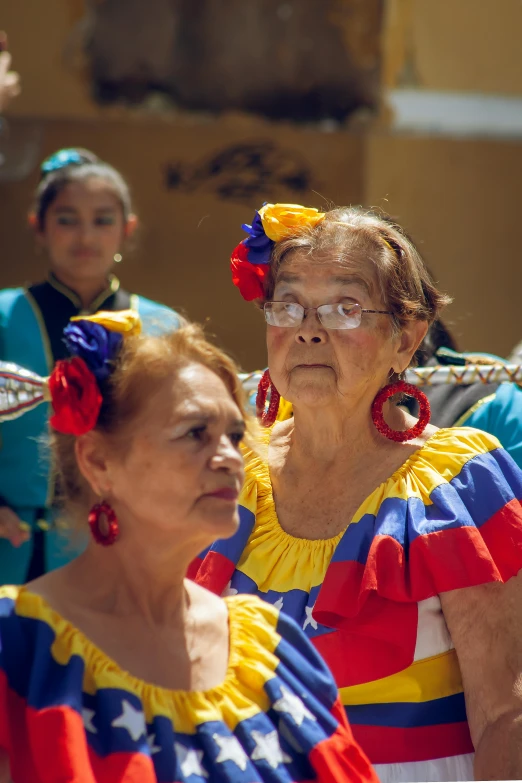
pixel 332 316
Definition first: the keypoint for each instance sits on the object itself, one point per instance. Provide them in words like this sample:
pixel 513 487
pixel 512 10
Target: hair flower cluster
pixel 93 343
pixel 250 261
pixel 75 397
pixel 74 385
pixel 125 322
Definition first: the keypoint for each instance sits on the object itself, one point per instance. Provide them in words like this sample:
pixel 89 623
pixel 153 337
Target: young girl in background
pixel 82 217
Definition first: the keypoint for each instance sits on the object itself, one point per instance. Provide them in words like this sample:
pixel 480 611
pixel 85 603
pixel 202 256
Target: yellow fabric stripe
pixel 252 663
pixel 277 561
pixel 438 461
pixel 425 680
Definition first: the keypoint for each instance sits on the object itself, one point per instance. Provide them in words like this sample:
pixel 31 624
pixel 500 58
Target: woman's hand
pixel 9 80
pixel 12 527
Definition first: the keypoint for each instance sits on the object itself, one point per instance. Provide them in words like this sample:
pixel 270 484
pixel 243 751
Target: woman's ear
pixel 412 334
pixel 131 225
pixel 91 456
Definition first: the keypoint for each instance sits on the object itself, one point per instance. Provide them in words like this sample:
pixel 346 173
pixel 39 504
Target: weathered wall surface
pixel 459 197
pixel 194 184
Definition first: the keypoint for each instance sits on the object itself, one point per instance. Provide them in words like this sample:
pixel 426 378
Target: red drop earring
pixel 268 417
pixel 400 387
pixel 113 532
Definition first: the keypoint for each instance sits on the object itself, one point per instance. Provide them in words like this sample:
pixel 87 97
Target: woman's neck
pixel 133 577
pixel 325 435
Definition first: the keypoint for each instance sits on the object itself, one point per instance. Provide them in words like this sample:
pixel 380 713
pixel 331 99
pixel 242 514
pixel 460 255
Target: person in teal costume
pixel 492 407
pixel 82 217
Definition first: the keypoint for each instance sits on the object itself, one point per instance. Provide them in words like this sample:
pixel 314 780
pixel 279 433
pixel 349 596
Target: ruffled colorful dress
pixel 450 517
pixel 69 713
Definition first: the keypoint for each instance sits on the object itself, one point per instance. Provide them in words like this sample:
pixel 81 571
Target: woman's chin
pixel 221 524
pixel 316 393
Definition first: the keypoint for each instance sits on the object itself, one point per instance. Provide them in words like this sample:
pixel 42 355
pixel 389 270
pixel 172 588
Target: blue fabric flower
pixel 61 159
pixel 258 244
pixel 95 344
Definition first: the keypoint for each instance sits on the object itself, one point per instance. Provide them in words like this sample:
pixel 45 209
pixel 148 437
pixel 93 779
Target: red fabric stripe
pixel 386 745
pixel 356 655
pixel 122 767
pixel 46 746
pixel 445 560
pixel 192 570
pixel 339 758
pixel 215 572
pixel 502 536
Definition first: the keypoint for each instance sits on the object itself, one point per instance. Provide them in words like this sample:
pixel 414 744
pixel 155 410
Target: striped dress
pixel 70 713
pixel 449 517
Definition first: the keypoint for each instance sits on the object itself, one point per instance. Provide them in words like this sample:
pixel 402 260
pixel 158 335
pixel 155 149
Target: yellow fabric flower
pixel 123 321
pixel 281 221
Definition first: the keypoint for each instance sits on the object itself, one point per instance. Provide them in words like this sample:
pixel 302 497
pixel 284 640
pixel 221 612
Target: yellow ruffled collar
pixel 251 654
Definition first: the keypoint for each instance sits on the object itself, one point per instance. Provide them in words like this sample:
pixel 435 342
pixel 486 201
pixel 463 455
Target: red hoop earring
pixel 400 387
pixel 268 417
pixel 113 532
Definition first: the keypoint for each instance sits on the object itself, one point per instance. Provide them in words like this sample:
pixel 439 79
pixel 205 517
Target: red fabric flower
pixel 75 397
pixel 249 278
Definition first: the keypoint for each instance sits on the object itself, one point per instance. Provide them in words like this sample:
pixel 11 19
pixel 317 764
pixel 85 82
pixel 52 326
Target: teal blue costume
pixel 493 407
pixel 500 413
pixel 32 321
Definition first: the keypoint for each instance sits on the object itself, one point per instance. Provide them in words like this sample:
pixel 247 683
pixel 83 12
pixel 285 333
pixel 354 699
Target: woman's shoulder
pixel 448 451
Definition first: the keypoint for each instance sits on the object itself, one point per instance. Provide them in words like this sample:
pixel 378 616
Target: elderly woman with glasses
pixel 393 544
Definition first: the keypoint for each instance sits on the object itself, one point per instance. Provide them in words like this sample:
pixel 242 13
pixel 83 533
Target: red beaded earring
pixel 268 417
pixel 400 387
pixel 113 531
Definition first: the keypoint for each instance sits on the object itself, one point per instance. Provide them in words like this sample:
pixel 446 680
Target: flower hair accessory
pixel 74 385
pixel 250 261
pixel 75 397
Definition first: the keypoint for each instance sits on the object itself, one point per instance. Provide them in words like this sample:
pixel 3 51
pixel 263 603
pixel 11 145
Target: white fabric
pixel 433 637
pixel 448 769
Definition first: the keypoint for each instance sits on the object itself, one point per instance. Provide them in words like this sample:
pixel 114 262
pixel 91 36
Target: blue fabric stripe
pixel 233 547
pixel 484 485
pixel 294 601
pixel 451 709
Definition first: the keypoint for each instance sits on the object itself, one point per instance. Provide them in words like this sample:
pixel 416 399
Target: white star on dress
pixel 190 761
pixel 87 716
pixel 293 705
pixel 230 750
pixel 131 719
pixel 151 742
pixel 309 619
pixel 229 590
pixel 279 603
pixel 268 749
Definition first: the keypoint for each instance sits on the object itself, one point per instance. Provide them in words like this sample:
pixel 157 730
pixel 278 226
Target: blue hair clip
pixel 61 159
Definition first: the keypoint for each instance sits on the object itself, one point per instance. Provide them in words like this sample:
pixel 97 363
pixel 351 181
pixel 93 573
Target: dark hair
pixel 406 286
pixel 438 336
pixel 75 165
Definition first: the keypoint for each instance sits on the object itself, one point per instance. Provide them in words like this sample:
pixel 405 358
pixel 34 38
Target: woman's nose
pixel 227 456
pixel 311 329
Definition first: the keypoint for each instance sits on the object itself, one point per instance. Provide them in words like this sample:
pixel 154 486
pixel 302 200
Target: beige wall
pixel 460 199
pixel 461 45
pixel 182 254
